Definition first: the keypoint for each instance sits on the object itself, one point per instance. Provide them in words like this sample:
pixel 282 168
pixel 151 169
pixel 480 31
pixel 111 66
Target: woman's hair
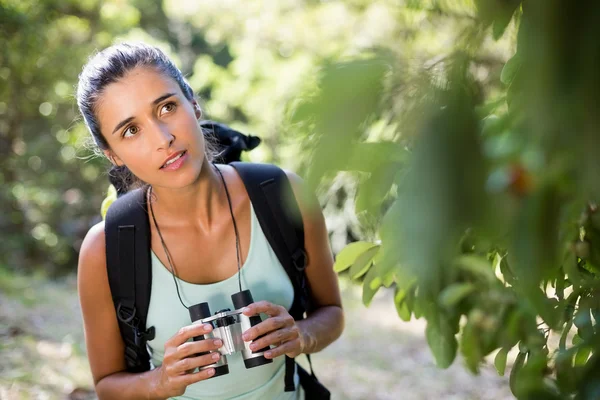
pixel 108 66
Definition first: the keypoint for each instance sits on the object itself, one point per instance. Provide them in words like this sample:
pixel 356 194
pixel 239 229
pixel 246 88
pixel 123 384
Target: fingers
pixel 276 337
pixel 188 379
pixel 264 307
pixel 280 329
pixel 188 332
pixel 191 363
pixel 178 347
pixel 268 325
pixel 191 348
pixel 291 348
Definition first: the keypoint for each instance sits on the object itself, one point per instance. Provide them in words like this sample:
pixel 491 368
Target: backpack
pixel 127 233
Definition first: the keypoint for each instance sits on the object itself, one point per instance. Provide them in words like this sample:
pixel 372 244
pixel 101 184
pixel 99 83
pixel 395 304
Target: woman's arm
pixel 325 322
pixel 105 347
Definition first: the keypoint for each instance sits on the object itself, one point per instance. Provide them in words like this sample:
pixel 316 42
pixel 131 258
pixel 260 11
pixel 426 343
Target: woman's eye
pixel 129 132
pixel 167 108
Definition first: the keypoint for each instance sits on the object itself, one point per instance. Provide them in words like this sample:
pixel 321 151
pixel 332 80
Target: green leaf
pixel 507 273
pixel 373 191
pixel 582 355
pixel 514 372
pixel 111 196
pixel 388 280
pixel 340 110
pixel 402 306
pixel 476 265
pixel 504 14
pixel 376 157
pixel 562 343
pixel 566 375
pixel 442 341
pixel 363 263
pixel 453 294
pixel 572 270
pixel 371 285
pixel 385 265
pixel 470 346
pixel 583 321
pixel 589 385
pixel 500 361
pixel 510 69
pixel 349 254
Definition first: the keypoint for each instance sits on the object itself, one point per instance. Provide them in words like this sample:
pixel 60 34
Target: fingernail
pixel 211 372
pixel 207 327
pixel 218 342
pixel 216 356
pixel 245 309
pixel 268 354
pixel 253 346
pixel 245 337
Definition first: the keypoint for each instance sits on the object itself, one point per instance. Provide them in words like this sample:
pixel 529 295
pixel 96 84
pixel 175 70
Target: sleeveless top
pixel 266 278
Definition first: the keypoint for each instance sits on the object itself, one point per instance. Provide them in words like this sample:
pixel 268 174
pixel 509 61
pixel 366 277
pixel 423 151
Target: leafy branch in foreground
pixel 484 200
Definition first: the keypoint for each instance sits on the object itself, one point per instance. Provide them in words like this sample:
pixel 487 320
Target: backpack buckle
pixel 125 314
pixel 141 337
pixel 299 260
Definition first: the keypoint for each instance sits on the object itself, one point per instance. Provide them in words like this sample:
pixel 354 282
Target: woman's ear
pixel 112 157
pixel 197 109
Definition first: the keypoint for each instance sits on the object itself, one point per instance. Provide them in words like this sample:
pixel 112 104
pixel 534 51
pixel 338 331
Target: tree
pixel 51 183
pixel 482 197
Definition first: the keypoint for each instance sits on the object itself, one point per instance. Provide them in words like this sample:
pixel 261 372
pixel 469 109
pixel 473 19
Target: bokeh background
pixel 448 127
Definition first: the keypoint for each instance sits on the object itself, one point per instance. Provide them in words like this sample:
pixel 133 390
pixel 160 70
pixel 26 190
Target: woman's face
pixel 147 122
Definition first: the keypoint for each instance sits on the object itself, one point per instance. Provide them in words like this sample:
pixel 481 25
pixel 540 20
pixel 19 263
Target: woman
pixel 143 116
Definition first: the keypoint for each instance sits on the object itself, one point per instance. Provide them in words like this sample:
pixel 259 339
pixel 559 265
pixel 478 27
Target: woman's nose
pixel 164 136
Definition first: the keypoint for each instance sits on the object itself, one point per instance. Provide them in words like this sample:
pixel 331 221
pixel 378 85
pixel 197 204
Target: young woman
pixel 143 116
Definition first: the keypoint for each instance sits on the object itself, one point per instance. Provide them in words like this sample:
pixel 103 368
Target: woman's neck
pixel 199 203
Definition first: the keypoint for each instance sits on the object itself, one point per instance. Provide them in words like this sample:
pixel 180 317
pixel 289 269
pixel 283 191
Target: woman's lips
pixel 175 165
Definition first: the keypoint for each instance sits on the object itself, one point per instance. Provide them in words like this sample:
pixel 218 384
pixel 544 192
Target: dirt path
pixel 42 355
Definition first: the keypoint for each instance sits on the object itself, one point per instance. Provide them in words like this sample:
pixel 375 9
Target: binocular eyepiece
pixel 229 326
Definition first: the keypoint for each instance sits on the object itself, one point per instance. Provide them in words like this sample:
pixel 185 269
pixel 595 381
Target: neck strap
pixel 164 245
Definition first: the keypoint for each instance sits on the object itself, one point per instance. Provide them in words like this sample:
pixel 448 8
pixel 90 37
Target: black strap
pixel 126 246
pixel 280 218
pixel 127 233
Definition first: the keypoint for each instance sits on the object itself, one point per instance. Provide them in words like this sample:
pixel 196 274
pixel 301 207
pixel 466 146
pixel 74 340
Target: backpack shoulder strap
pixel 280 218
pixel 127 232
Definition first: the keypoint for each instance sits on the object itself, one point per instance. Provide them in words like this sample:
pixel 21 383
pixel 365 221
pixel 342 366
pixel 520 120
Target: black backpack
pixel 127 233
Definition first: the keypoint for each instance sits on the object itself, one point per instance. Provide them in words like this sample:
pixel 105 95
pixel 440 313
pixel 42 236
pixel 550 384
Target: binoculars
pixel 229 326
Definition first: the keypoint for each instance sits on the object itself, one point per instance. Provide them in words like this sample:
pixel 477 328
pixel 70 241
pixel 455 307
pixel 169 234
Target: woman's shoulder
pixel 92 254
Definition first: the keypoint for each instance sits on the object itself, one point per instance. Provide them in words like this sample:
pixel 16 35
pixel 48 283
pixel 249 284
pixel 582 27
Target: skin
pixel 190 206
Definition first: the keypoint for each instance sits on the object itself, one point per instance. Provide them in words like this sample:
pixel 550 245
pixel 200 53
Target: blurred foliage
pixel 483 197
pixel 50 191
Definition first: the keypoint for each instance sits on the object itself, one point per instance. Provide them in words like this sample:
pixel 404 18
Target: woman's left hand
pixel 280 330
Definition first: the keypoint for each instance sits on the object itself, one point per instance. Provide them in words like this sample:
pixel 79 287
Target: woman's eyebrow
pixel 163 97
pixel 127 120
pixel 120 124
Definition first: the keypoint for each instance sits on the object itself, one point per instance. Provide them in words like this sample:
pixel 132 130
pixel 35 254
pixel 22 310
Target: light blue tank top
pixel 266 278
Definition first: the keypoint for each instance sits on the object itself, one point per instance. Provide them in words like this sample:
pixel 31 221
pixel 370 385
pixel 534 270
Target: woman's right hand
pixel 180 358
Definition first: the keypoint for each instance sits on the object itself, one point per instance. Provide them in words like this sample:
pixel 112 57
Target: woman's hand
pixel 280 330
pixel 180 359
